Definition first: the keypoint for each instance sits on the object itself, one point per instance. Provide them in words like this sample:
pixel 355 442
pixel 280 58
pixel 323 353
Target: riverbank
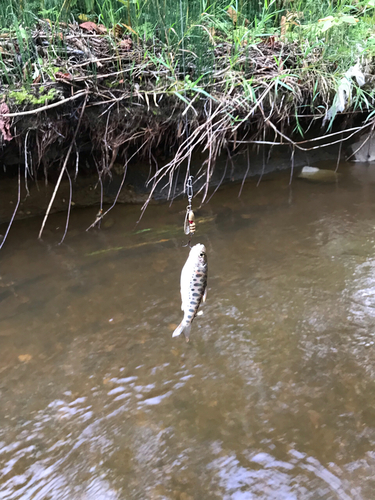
pixel 83 98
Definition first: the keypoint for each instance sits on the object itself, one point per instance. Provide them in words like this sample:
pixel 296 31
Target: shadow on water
pixel 272 399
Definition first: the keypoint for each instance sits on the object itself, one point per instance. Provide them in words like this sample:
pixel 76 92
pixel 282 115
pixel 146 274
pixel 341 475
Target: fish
pixel 193 287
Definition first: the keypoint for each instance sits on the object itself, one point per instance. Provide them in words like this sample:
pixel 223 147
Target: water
pixel 272 399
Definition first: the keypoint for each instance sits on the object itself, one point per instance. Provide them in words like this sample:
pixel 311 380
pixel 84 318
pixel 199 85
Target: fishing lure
pixel 189 223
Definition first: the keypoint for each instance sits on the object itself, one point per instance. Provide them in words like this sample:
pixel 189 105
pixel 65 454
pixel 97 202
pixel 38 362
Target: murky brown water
pixel 272 399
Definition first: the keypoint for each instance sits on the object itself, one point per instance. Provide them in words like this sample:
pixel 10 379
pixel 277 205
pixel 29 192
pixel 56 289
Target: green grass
pixel 196 24
pixel 195 39
pixel 173 22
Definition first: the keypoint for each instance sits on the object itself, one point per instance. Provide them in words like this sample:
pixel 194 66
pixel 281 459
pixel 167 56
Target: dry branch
pixel 46 107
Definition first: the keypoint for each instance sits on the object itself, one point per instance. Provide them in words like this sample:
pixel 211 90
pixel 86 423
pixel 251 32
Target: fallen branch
pixel 48 106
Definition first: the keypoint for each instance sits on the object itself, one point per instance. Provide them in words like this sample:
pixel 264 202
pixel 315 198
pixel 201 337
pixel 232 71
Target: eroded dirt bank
pixel 114 123
pixel 89 189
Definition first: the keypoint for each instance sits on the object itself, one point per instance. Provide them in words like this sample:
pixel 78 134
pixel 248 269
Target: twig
pixel 103 59
pixel 100 77
pixel 63 168
pixel 26 164
pixel 48 106
pixel 257 105
pixel 77 162
pixel 292 167
pixel 247 170
pixel 100 217
pixel 314 139
pixel 15 209
pixel 338 156
pixel 69 207
pixel 264 160
pixel 221 180
pixel 297 144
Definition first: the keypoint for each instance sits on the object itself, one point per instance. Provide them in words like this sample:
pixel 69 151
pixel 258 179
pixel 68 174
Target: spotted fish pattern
pixel 193 288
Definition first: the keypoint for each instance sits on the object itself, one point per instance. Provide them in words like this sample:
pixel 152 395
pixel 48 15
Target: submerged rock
pixel 318 175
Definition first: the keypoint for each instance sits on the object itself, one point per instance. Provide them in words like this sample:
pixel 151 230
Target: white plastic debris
pixel 344 91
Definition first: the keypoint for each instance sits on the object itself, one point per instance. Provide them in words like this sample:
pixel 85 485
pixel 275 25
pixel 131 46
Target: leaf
pixel 62 76
pixel 102 29
pixel 89 26
pixel 232 14
pixel 349 19
pixel 130 29
pixel 126 44
pixel 279 82
pixel 324 19
pixel 24 358
pixel 283 27
pixel 36 74
pixel 201 91
pixel 327 25
pixel 182 98
pixel 118 30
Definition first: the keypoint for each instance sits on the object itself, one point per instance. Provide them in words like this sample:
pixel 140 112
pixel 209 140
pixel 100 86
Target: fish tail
pixel 182 328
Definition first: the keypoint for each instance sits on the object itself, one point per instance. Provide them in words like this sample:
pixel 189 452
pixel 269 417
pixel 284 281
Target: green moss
pixel 25 96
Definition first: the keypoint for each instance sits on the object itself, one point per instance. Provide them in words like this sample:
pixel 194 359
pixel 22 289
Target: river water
pixel 273 398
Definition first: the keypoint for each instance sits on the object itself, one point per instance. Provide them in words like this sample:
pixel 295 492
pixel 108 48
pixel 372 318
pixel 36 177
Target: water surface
pixel 272 399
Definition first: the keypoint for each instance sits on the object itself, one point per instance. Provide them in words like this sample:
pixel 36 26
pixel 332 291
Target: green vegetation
pixel 189 74
pixel 191 39
pixel 24 96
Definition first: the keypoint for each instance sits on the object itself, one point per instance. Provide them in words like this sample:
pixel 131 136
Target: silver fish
pixel 193 285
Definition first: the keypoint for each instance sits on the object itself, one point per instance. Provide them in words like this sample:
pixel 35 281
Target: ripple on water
pixel 272 398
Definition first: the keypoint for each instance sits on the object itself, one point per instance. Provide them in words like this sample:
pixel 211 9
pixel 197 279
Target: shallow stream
pixel 273 398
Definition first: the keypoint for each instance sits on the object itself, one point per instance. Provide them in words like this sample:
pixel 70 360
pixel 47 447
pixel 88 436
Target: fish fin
pixel 178 330
pixel 185 329
pixel 205 295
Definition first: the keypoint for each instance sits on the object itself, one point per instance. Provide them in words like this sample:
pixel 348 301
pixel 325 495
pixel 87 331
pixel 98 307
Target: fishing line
pixel 189 222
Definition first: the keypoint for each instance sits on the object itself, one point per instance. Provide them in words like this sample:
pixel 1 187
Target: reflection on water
pixel 273 398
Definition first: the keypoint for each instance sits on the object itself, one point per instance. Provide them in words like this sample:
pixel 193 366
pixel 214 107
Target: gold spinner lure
pixel 189 223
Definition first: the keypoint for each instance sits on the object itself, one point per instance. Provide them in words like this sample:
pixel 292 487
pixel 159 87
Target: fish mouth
pixel 198 250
